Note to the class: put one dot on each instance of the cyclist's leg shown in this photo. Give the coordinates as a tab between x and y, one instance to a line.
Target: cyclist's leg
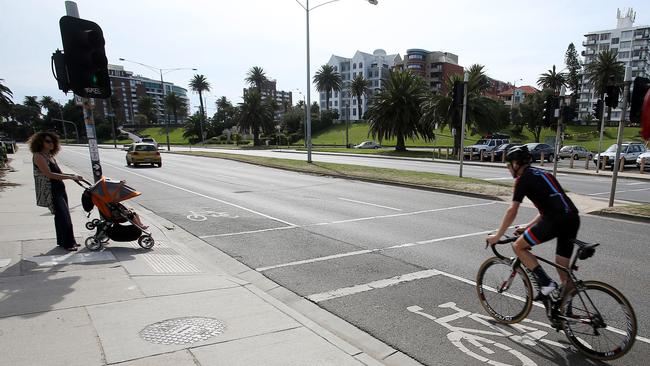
565	241
543	231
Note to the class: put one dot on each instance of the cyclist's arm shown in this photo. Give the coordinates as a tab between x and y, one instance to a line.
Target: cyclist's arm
508	218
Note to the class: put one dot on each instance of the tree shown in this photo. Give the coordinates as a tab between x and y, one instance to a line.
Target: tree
146	108
572	62
32	101
552	80
255	114
5	100
200	84
326	80
192	128
176	105
396	111
483	113
358	88
256	77
53	111
532	112
605	70
225	117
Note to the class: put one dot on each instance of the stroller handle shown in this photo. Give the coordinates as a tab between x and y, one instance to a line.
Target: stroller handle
85	181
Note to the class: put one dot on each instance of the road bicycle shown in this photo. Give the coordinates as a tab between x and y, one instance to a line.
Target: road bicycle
596	318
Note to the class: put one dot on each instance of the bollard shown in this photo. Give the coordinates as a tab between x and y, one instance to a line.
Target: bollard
503	157
621	164
642	166
571	162
492	156
587	163
439	153
603	161
541	159
482	155
447	153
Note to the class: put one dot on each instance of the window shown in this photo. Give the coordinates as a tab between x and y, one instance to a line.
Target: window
625	54
626	35
615	40
625	44
415	57
604	47
354	112
414	66
604	36
360	64
354	65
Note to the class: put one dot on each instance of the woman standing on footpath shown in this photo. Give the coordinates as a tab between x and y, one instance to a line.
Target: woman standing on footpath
50	189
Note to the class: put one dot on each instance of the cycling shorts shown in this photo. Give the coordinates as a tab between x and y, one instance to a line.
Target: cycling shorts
564	228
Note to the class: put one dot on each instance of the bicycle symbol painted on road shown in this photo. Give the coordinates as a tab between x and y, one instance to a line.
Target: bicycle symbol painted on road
203	215
466	338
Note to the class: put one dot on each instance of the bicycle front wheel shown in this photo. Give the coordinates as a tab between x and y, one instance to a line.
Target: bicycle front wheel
505	293
601	322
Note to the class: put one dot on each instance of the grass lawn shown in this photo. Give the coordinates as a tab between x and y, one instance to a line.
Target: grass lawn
425	179
636	210
159	134
586	136
383	152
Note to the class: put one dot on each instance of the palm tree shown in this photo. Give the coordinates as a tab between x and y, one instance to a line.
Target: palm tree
604	71
552	80
396	111
32	101
255	114
175	104
326	80
483	113
256	77
5	100
145	108
200	84
358	88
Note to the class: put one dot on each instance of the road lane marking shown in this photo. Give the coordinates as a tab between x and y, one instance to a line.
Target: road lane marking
402	214
626	191
346	291
249	232
367	251
199	194
635	183
370	204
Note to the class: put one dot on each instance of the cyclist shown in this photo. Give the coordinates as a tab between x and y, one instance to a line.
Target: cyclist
557	218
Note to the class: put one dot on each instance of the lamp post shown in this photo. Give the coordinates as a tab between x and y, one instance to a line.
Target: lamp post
162	86
308	102
461	153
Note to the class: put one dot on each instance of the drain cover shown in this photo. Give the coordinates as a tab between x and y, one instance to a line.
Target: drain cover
182	330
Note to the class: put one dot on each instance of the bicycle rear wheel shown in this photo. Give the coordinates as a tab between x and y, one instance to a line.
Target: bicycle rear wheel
604	325
506	294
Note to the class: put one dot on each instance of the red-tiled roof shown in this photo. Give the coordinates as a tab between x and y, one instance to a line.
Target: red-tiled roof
526	88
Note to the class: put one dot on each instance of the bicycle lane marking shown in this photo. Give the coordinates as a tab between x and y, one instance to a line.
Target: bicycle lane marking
197	193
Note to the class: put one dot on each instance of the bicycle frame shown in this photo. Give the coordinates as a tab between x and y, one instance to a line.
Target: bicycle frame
574	281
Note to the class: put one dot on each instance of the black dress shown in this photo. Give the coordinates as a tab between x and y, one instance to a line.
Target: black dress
62	220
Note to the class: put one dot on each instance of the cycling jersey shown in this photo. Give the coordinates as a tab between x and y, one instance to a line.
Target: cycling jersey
544	191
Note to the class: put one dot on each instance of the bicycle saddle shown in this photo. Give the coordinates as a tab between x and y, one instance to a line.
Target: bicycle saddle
585	250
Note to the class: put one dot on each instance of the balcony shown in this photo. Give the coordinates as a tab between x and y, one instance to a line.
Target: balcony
587	43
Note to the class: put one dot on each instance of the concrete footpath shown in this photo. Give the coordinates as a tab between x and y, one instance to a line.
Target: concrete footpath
182	303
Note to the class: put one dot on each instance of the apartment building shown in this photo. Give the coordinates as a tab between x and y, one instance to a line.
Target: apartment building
630	42
373	67
283	99
434	67
516	95
127	88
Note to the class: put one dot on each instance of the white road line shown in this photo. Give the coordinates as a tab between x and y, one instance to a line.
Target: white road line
370	204
249	232
629	190
346	291
198	194
636	183
402	214
368	251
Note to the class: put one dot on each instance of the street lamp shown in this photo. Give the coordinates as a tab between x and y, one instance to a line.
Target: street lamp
162	86
308	102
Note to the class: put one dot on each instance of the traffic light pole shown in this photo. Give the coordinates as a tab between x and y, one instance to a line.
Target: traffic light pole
558	136
619	140
461	153
72	10
600	140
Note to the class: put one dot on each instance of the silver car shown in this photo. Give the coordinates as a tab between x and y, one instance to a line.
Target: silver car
578	152
646	156
368	145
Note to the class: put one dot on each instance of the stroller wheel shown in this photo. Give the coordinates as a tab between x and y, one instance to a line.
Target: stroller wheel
90	225
93	244
146	241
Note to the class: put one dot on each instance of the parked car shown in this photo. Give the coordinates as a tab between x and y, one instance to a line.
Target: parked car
502	149
578	152
629	150
368	145
140	153
645	155
536	150
483	145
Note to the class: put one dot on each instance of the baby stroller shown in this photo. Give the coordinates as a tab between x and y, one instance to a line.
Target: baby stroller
116	221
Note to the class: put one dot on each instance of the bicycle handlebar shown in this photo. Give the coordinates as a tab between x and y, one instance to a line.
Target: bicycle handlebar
506	240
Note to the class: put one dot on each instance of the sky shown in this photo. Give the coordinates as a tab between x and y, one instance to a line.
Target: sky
515	40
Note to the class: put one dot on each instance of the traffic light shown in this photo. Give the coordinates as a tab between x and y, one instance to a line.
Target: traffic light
598	109
550	105
639	92
458	94
85	58
611	100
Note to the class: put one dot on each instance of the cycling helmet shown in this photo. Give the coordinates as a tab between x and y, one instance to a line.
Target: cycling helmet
520	154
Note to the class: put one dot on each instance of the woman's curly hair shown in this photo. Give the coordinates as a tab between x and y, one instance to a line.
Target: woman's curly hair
37	141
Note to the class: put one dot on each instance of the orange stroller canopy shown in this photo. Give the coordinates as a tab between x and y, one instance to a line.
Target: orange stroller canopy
112	191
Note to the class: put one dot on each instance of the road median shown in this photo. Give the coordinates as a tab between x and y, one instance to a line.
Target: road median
629	212
419	180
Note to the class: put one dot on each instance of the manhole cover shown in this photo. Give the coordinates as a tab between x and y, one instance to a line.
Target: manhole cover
182	330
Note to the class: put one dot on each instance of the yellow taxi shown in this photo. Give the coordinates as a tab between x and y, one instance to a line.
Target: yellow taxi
140	153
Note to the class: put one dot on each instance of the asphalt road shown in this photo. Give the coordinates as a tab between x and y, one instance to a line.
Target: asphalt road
594	186
396	262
